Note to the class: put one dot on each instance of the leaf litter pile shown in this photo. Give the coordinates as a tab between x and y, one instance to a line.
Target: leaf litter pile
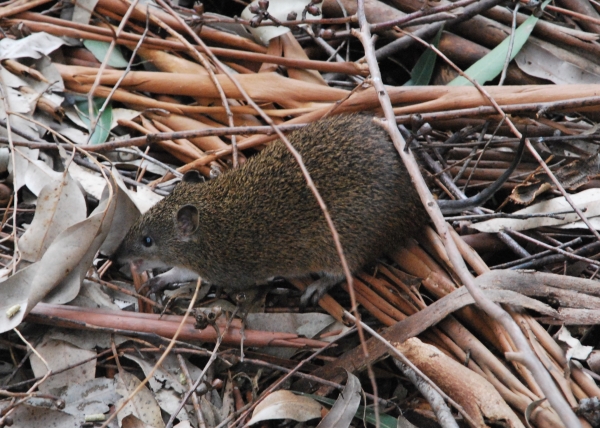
107	103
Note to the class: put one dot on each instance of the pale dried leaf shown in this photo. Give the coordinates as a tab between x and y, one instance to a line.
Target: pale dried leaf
24	126
15	82
57	276
92	233
26	416
545	60
344	409
169	402
588	199
58	355
126	212
118	300
45	66
123	114
404	423
593	361
143	405
575	349
85	339
144	198
60	205
64	128
23	102
39	174
92	182
571	176
228	406
284	404
91	397
18	169
166	376
308	325
595	222
31	90
33	46
82	12
212	413
166	382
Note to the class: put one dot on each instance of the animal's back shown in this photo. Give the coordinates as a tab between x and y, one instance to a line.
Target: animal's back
262	220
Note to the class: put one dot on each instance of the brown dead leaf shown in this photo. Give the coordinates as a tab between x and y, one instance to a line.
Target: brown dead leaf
571	176
478	397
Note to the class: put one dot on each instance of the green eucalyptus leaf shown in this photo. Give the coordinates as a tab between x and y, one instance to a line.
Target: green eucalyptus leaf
423	69
100	49
491	65
103	124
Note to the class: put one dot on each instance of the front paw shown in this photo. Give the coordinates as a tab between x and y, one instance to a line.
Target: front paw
157	284
173	276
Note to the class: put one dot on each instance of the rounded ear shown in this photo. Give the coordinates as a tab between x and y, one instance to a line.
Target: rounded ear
187	220
192	176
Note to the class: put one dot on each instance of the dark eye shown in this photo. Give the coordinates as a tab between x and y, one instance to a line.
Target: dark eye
147	241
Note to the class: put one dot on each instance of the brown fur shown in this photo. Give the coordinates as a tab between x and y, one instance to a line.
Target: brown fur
262	221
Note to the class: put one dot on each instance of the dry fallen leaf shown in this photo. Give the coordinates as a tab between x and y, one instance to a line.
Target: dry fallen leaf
58	274
588	200
58	355
60	205
284	404
143	405
344	409
478	397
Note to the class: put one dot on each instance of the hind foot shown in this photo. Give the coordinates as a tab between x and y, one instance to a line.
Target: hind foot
319	288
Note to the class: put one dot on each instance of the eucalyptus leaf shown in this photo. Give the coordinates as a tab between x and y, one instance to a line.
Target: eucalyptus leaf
103	124
100	49
491	65
423	69
344	409
366	414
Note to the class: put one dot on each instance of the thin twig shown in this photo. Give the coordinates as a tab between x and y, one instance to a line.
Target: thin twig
550	247
536	255
510	45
